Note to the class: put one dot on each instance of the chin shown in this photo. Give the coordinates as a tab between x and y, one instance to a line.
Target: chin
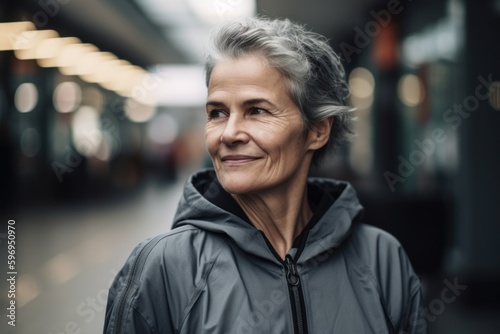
237	188
237	184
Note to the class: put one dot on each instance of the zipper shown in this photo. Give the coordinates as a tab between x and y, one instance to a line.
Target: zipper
296	296
132	281
294	286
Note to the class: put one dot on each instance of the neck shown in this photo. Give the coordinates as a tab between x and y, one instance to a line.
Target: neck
280	214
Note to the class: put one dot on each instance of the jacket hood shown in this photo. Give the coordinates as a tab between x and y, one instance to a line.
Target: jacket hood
196	209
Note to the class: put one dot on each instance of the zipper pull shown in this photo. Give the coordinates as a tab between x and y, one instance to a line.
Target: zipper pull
291	271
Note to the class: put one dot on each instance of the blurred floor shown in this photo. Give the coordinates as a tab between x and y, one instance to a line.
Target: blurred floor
68	257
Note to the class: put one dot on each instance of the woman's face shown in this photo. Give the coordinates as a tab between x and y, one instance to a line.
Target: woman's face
254	133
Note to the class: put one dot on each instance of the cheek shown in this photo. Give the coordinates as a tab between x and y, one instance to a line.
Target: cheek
211	139
290	138
271	134
294	149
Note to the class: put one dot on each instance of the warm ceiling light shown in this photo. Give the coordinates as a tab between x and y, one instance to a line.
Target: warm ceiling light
115	74
125	79
9	33
102	69
71	55
28	41
136	87
48	50
87	64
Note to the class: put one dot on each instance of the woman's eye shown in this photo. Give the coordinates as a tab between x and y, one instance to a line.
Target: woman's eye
256	111
215	114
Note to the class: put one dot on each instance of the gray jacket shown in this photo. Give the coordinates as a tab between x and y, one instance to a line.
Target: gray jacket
216	273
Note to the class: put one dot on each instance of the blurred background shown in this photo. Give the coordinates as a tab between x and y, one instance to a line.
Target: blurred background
102	119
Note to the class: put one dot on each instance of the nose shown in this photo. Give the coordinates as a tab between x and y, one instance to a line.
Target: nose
234	131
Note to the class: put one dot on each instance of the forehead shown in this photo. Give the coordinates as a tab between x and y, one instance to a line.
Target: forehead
246	75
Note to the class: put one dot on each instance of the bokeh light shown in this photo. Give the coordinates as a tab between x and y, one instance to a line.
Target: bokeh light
67	97
139	112
163	129
87	135
26	97
411	90
362	86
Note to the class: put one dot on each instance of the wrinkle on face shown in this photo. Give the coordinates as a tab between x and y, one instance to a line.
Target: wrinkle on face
277	136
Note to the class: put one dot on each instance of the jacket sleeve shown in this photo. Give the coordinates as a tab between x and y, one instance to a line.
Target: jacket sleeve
136	300
414	321
397	284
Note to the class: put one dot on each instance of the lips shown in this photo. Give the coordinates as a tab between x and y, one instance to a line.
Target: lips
238	159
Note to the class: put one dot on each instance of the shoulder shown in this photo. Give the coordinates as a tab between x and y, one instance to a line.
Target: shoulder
382	253
176	263
379	255
185	248
173	257
162	276
374	241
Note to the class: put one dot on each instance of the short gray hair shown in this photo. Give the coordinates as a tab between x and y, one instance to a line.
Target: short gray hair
315	75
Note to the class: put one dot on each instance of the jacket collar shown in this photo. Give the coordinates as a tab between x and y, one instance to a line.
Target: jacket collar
198	208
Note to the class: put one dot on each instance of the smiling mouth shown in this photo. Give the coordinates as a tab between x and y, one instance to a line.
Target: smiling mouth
237	159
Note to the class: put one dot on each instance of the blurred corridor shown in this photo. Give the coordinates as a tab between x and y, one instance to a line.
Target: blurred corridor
102	119
68	257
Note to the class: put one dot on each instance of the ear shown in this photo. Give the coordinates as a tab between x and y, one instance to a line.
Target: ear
319	135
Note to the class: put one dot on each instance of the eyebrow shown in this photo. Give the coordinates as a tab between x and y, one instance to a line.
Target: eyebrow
245	103
215	104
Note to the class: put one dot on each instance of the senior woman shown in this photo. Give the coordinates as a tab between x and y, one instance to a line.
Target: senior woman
256	246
